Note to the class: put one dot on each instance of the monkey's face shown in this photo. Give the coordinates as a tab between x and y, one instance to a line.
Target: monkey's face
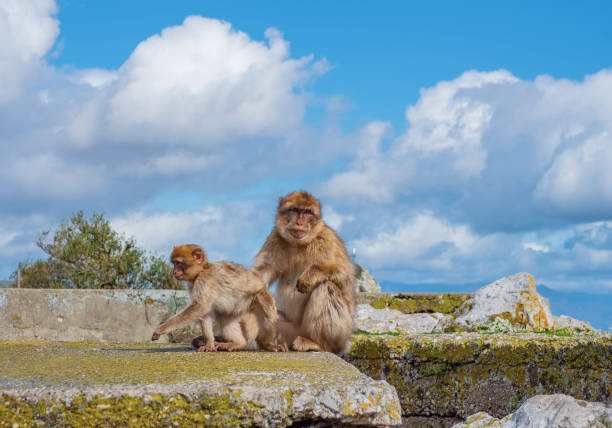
188	261
299	221
298	214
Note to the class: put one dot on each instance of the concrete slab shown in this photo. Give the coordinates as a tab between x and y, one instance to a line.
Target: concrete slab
79	384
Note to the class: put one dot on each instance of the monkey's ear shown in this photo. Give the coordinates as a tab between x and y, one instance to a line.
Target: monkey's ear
198	254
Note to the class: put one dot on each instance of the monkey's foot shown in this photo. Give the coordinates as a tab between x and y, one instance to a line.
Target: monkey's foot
227	346
206	348
281	347
199	341
302	344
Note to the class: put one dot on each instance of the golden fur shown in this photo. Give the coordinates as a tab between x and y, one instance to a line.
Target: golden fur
228	293
315	289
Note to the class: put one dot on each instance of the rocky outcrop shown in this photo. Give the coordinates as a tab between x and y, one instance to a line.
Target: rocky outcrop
548	411
513	298
78	384
412	303
448	377
364	281
368	319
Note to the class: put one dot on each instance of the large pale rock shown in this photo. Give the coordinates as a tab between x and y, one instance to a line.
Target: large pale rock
548	411
564	321
513	298
373	320
79	384
364	281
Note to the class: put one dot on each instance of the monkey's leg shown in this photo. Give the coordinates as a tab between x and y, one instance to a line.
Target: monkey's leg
209	336
232	332
264	308
327	320
190	313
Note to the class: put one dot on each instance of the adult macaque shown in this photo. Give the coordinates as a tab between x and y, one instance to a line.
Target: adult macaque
229	293
316	279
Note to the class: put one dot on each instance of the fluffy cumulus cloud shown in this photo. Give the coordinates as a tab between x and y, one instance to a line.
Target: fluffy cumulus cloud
495	152
28	30
199	83
194	105
487	173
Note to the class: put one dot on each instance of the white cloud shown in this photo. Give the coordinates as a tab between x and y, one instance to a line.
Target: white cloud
200	83
219	230
27	30
495	152
423	241
534	246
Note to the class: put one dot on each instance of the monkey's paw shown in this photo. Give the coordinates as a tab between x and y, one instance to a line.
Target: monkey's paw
226	346
303	286
282	347
206	348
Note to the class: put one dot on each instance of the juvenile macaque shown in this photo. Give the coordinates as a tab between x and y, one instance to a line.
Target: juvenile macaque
316	279
232	295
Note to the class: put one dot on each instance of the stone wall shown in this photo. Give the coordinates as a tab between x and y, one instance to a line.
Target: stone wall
447	377
90	315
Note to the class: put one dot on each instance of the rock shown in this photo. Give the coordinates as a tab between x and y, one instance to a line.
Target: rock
410	303
80	384
373	320
513	298
548	411
456	375
564	321
364	281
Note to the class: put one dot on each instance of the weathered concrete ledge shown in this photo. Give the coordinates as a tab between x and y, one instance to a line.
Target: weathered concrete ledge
132	315
91	315
447	377
77	384
410	303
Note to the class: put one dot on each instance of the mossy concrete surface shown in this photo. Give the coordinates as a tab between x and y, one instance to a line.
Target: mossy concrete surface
79	384
451	376
410	303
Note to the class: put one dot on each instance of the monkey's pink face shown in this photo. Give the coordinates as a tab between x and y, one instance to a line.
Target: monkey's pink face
184	271
299	221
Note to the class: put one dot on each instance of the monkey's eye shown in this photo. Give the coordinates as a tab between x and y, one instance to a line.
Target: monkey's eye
308	212
294	210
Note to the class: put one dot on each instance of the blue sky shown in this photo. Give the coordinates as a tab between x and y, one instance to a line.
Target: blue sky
449	142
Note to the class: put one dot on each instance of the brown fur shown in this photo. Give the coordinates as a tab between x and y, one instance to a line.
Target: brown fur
230	294
316	278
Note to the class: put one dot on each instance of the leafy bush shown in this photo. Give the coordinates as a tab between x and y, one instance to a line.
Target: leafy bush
89	254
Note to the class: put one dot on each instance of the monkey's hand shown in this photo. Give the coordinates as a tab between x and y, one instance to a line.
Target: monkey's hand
155	336
306	281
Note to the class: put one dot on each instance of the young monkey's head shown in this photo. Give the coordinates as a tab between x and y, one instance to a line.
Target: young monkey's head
188	261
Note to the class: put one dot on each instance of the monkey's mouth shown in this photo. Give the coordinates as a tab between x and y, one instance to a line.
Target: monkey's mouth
297	233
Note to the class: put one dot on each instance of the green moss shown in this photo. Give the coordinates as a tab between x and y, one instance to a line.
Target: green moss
454	374
87	364
177	410
436	370
384	333
445	303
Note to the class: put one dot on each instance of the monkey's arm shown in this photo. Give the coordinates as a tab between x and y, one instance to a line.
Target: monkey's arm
318	273
192	312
